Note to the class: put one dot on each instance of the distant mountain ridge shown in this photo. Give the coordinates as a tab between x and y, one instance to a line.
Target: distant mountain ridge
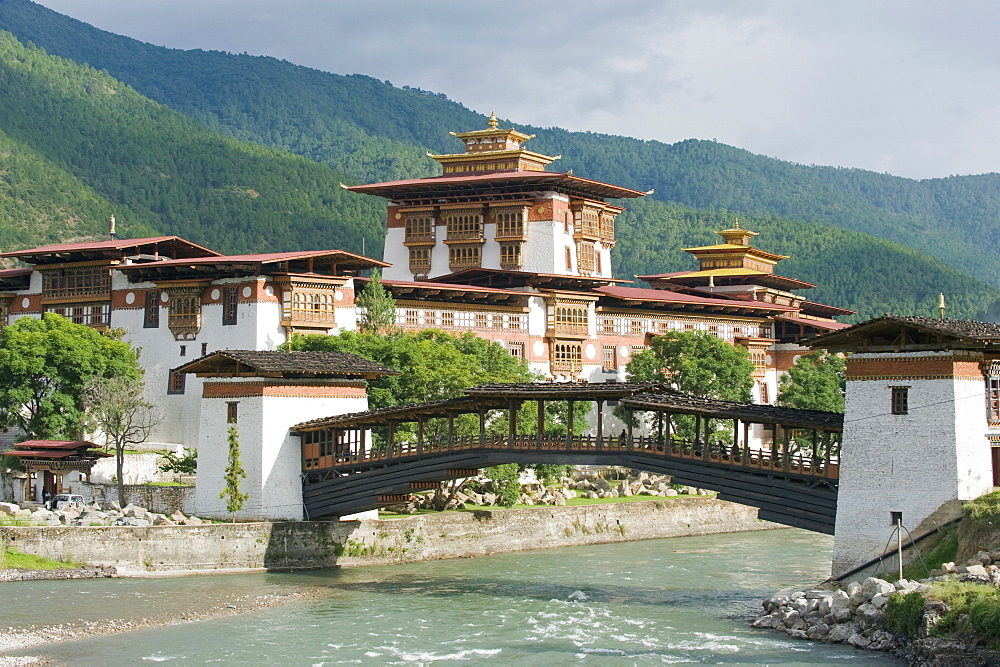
79	145
370	130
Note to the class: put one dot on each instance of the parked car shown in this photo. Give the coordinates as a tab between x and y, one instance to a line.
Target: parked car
64	500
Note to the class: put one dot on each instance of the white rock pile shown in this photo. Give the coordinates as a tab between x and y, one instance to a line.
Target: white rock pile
855	615
111	514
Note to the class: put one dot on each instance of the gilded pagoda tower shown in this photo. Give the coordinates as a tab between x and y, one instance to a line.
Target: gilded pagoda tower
495	206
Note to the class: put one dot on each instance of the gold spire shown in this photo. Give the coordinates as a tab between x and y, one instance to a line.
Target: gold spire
493	120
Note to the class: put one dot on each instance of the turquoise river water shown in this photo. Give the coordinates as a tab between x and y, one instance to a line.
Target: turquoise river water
681	600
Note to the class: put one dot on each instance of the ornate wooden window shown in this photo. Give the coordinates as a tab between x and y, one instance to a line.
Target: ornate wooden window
588	223
608	228
516	350
419	228
608	325
585	257
184	319
609	356
84	281
635	328
570	319
412	316
765	399
232	412
993	394
464	257
230	303
151	310
420	261
447	318
515	321
482	321
511	223
175	383
569	259
510	256
464	225
566	357
91	314
900	400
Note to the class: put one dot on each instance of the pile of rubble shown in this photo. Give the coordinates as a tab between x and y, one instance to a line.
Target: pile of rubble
110	514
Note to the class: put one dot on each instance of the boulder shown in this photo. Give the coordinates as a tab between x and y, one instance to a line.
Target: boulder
134	512
859	640
880	601
818	631
161	520
981	558
177	517
624	490
138	523
873	586
840	632
843	615
488	499
977	571
192	521
10	509
558	499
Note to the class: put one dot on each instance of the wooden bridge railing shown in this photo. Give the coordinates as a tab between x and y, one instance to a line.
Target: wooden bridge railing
797	463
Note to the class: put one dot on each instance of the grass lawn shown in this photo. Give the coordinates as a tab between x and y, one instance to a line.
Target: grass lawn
11	559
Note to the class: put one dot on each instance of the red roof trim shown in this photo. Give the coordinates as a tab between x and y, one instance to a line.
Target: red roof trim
664	296
523	175
263	258
447	287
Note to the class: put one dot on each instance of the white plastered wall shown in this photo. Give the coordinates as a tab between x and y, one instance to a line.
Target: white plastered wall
269	453
911	463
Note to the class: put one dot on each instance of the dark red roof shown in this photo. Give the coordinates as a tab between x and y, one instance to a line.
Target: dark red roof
262	258
54	444
665	296
829	325
390	189
168	245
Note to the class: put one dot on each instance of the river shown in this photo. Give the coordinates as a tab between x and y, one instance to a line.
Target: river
680	600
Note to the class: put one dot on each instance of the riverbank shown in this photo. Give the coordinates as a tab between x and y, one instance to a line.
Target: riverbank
136	551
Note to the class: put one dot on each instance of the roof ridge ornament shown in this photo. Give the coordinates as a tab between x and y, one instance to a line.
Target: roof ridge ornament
493	122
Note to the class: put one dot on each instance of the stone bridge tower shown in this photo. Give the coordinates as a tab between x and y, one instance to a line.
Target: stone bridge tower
922	410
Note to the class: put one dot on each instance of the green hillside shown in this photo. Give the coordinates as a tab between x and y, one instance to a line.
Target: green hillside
86	145
79	145
371	131
850	269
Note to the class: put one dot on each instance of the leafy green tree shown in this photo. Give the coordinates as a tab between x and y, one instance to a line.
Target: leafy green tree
506	482
377	307
117	407
234	473
815	382
180	464
696	362
45	366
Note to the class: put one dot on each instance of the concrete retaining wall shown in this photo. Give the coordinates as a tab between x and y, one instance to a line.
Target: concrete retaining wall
350	543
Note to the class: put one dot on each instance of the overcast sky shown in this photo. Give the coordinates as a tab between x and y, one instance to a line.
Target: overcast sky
907	87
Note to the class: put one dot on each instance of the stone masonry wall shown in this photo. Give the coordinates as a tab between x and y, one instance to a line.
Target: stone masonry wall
350	543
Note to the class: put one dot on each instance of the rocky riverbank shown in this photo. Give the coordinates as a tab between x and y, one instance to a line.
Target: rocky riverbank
95	514
861	614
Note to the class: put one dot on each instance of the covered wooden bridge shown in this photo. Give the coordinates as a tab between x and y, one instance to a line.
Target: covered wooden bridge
791	477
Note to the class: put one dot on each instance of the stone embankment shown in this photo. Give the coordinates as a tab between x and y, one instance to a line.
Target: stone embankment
108	514
317	544
857	614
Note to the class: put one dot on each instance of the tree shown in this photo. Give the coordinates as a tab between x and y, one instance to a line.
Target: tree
696	362
378	308
45	365
506	482
118	409
815	382
234	473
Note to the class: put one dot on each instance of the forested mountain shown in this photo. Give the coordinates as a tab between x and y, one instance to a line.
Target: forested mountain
371	131
78	145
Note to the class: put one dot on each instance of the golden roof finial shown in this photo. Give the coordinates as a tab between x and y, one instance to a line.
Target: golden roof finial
737	225
493	120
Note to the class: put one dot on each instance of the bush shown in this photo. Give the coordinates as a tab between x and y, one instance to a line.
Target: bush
904	614
180	465
984	617
983	507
